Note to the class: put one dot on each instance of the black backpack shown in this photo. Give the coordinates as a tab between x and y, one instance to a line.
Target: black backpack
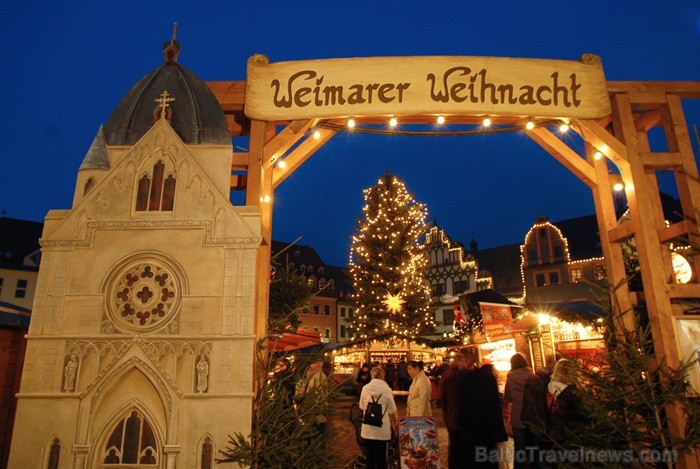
373	414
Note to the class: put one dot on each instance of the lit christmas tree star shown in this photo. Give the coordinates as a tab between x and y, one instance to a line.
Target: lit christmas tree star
394	303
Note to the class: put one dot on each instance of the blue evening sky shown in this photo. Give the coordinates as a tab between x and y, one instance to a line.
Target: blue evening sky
65	66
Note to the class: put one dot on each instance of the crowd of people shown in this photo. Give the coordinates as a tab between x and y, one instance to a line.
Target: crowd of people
542	407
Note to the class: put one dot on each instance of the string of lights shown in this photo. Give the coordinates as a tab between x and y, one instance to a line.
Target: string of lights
484	128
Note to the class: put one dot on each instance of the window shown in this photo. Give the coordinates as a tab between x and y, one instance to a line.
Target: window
317	308
539	280
599	272
310	268
576	275
207	454
21	290
439	289
321	270
311	282
2	280
350	312
89	184
327	310
461	286
448	317
322	283
558	251
342	330
543	233
156	194
54	454
132	442
554	278
532	255
327	333
342	311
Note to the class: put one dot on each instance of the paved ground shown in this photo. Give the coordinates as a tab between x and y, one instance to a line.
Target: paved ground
343	433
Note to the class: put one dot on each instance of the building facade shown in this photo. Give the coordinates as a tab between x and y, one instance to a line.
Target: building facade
140	348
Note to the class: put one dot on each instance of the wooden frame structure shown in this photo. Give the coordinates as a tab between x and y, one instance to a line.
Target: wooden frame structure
622	138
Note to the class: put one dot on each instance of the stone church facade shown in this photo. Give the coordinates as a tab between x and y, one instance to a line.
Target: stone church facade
140	348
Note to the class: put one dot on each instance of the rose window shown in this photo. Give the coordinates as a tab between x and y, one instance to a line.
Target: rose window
144	296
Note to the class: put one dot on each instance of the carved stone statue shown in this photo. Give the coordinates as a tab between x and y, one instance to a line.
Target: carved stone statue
202	374
69	374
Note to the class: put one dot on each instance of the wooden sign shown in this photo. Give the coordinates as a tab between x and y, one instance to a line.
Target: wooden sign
395	86
418	443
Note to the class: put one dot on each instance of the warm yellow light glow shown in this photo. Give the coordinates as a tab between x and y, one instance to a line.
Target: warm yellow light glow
394	303
281	164
530	125
597	155
265	198
317	134
564	128
441	119
486	122
351	123
544	318
618	187
393	122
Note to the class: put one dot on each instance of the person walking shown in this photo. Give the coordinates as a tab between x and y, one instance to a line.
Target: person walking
479	419
418	404
450	397
377	438
523	437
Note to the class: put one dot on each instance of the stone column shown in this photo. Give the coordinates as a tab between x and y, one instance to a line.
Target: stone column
171	452
80	453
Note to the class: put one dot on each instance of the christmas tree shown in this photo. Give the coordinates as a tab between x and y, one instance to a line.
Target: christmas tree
387	264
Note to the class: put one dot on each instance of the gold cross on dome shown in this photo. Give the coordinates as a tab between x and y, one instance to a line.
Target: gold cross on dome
163	102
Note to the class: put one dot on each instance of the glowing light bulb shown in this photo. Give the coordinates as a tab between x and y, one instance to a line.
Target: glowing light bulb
393	122
441	120
486	122
317	134
618	186
564	128
597	155
281	164
351	123
530	125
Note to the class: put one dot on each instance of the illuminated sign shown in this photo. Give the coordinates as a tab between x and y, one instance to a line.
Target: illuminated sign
398	86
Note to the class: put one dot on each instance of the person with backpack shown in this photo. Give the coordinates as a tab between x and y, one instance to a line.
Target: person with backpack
379	418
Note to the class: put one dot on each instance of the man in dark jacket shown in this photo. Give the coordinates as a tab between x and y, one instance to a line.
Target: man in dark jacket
479	418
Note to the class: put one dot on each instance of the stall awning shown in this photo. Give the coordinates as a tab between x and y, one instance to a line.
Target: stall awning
291	341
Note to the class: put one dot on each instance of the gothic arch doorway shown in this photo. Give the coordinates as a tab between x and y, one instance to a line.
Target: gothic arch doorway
615	133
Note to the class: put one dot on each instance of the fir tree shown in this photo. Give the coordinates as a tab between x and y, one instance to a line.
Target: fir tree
388	262
624	401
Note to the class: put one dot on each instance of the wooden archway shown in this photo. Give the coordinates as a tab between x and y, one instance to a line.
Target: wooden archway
622	137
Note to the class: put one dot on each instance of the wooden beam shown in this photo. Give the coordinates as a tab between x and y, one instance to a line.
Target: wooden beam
565	155
677	230
283	141
239	160
621	232
230	94
300	154
687	290
603	140
658	160
684	89
648	120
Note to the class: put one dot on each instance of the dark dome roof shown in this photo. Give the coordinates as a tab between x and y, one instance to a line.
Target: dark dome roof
195	114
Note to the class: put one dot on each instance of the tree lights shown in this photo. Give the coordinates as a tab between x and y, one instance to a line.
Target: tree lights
387	263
